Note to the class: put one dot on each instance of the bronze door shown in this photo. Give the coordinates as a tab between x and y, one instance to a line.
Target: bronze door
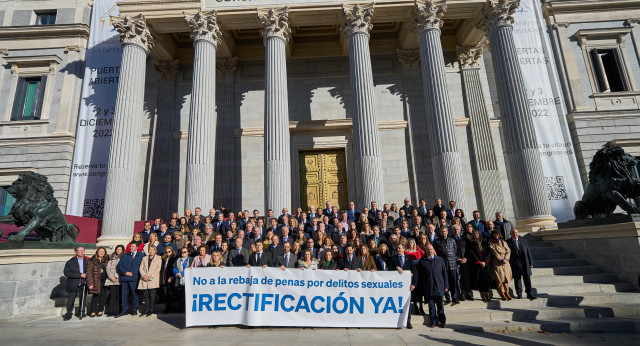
323	177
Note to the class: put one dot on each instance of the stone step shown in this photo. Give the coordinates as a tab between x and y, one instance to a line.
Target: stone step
561	263
539	244
553	256
593	325
547	249
540	313
569	270
579	289
576	279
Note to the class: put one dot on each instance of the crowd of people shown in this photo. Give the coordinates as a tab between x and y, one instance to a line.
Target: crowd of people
448	255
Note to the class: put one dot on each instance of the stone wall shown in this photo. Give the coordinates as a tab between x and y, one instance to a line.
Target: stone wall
27	287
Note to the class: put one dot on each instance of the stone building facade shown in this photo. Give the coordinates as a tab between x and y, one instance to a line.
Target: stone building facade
270	103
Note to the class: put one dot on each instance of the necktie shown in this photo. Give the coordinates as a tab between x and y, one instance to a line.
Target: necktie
402	261
350	261
286	260
517	244
258	257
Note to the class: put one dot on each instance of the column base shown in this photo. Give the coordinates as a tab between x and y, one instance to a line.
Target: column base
112	242
536	223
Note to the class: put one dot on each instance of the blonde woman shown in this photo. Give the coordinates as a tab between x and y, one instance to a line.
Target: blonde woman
307	261
216	260
500	267
153	240
149	280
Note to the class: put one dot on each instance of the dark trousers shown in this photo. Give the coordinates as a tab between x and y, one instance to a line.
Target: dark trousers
167	297
98	301
518	284
180	297
150	300
129	288
435	302
452	276
71	300
114	300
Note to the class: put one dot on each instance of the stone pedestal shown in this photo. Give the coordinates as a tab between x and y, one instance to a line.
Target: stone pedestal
121	205
366	143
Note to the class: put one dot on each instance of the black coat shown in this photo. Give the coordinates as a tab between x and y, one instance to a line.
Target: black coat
432	276
356	263
72	273
447	249
265	259
479	276
521	259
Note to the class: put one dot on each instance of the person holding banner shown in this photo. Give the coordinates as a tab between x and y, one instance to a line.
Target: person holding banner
307	261
328	262
433	283
203	257
402	263
260	258
238	257
216	260
350	261
287	259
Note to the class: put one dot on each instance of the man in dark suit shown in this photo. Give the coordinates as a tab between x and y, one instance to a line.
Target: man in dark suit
438	207
286	259
350	261
505	226
173	226
275	248
196	224
521	262
401	263
164	230
156	224
407	207
432	276
129	270
352	213
239	256
75	270
451	212
146	231
373	212
422	208
310	244
260	258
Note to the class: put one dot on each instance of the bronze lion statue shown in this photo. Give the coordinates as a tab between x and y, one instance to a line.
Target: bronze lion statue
37	210
612	181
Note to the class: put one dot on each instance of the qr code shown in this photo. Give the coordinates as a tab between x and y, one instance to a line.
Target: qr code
93	208
556	188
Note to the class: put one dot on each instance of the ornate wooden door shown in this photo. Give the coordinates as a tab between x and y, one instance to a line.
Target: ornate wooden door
323	177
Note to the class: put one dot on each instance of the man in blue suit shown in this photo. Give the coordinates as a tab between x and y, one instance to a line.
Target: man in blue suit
401	263
129	269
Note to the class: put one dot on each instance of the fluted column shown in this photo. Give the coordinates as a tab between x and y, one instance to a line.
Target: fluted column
447	173
490	198
206	36
277	156
162	139
121	205
418	136
366	143
225	141
521	145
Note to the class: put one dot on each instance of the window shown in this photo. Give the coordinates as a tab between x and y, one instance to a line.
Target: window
607	64
29	97
46	18
6	201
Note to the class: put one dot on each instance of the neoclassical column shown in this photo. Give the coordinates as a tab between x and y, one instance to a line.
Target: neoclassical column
122	202
162	139
445	160
490	199
521	146
206	36
225	141
277	156
415	113
366	143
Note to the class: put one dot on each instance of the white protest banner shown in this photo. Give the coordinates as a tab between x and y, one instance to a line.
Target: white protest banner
559	164
93	136
258	296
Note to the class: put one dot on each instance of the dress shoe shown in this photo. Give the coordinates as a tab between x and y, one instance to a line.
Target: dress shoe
531	297
432	325
443	325
409	326
142	315
447	302
66	317
133	313
149	314
455	302
120	315
519	297
462	299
